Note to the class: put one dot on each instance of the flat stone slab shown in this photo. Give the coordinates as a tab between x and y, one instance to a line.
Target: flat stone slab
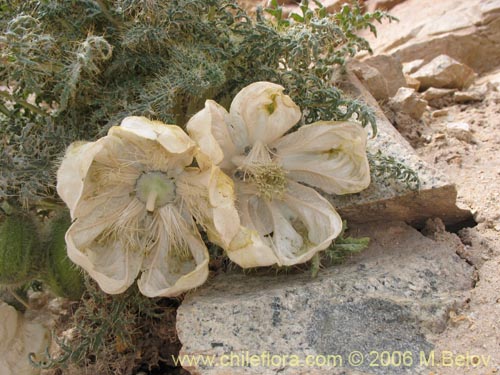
391	200
467	30
390	298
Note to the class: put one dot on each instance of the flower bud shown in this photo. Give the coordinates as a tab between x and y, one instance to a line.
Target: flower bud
20	255
63	277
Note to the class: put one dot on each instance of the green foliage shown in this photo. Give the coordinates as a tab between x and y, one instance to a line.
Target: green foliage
20	255
113	334
340	249
71	69
387	168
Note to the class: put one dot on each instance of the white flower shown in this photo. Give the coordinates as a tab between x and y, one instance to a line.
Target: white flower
19	338
133	197
283	221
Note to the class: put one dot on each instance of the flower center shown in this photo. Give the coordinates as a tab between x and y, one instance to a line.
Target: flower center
155	189
269	178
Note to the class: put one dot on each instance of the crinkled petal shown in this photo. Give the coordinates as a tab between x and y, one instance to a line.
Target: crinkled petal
261	112
10	320
251	245
327	155
19	338
293	228
111	175
322	223
73	170
178	260
111	262
248	250
171	150
209	196
209	128
171	137
287	242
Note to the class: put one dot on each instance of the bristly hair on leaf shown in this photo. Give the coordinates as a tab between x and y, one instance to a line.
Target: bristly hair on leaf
340	249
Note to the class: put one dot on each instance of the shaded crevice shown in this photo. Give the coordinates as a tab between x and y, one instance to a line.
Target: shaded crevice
456	227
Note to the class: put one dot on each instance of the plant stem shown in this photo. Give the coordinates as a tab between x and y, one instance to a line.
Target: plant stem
20	299
105	10
23	103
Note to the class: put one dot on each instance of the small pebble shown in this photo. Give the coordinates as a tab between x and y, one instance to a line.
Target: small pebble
440	113
459	130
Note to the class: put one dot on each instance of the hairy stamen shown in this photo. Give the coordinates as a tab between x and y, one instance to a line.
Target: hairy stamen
269	178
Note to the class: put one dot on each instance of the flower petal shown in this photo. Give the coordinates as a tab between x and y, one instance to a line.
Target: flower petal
111	175
322	222
113	264
303	223
172	149
209	196
209	128
10	320
327	155
261	112
73	170
20	337
251	247
167	271
248	250
171	137
287	242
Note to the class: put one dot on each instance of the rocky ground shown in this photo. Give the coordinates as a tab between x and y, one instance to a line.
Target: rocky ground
435	75
459	135
472	162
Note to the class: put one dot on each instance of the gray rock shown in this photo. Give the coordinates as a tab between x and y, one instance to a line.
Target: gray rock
412	66
433	93
407	101
382	4
392	297
477	94
371	78
440	113
391	70
444	72
466	30
386	199
438	98
468	97
412	82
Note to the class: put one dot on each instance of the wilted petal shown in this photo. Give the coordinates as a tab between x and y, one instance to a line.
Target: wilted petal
111	175
293	228
321	221
171	137
287	242
157	146
10	320
251	246
209	128
20	337
178	259
327	155
248	250
143	127
263	113
96	244
73	170
209	197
